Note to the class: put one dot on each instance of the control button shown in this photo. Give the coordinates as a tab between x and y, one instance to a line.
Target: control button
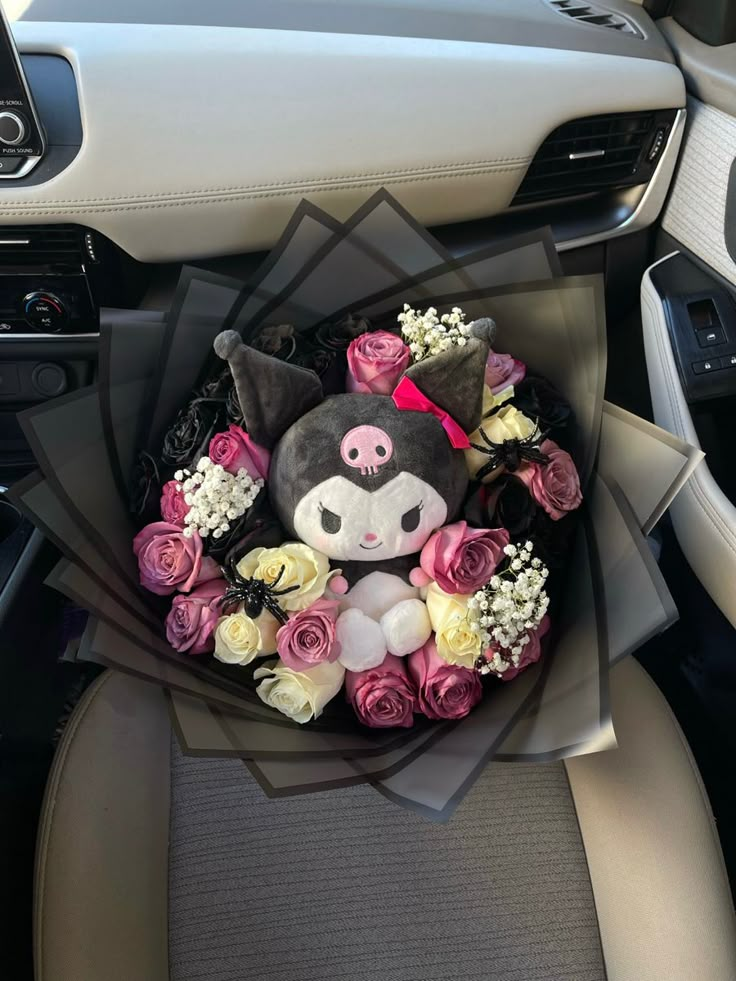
710	336
729	361
44	312
657	144
13	130
9	380
9	165
703	367
49	379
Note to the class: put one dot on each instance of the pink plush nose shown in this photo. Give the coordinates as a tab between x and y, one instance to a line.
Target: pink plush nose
367	448
370	537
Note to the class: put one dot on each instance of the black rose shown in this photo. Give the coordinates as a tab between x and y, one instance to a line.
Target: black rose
278	341
339	336
505	503
145	492
538	399
331	366
552	540
216	386
233	410
188	438
318	359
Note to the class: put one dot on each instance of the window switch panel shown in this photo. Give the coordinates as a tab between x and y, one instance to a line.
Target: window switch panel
703	367
711	336
701	319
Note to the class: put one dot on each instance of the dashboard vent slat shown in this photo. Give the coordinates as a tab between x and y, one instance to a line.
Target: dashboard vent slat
597	153
595	16
41	243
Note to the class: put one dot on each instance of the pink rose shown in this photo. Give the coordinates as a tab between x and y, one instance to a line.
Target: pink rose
554	485
235	450
530	653
308	637
446	691
376	361
502	370
168	560
382	696
462	559
191	621
174	508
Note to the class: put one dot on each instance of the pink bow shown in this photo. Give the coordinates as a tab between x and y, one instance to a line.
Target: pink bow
407	396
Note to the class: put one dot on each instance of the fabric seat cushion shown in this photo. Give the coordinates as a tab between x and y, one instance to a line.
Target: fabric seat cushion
346	885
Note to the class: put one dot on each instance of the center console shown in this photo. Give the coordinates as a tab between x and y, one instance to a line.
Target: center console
53	281
45	286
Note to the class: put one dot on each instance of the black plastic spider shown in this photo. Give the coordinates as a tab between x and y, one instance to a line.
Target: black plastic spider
255	594
511	453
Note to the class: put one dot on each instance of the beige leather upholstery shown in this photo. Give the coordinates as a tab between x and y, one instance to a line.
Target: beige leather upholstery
200	141
660	889
664	905
101	863
703	517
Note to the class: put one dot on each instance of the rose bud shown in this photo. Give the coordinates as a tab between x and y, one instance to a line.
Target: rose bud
383	696
376	361
554	485
446	691
462	559
169	560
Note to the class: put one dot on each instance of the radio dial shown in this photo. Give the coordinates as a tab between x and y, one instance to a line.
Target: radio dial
13	130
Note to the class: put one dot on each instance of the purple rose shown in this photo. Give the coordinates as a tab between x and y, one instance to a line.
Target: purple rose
174	508
169	560
376	361
191	621
382	696
308	637
530	653
235	450
462	559
555	484
446	691
502	370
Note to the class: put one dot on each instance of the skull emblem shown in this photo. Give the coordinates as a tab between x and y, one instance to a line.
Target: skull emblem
366	448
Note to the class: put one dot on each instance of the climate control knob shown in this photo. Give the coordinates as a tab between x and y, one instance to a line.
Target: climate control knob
44	312
13	129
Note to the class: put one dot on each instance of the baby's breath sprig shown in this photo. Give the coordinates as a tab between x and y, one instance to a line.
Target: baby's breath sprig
426	334
511	605
215	497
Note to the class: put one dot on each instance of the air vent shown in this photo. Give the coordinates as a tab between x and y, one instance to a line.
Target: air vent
588	13
597	153
48	245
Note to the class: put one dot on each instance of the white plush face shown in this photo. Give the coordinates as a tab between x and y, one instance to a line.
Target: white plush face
347	522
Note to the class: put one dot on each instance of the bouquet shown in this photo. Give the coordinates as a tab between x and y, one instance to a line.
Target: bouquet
431	427
387	531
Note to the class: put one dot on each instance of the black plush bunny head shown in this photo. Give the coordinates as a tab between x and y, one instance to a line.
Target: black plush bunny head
354	476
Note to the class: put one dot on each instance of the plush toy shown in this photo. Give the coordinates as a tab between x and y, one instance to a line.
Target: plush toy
366	479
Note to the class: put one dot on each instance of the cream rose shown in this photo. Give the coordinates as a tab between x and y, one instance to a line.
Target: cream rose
303	566
507	423
456	642
239	638
491	401
300	695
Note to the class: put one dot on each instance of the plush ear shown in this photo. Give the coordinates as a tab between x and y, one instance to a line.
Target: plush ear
454	380
273	394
